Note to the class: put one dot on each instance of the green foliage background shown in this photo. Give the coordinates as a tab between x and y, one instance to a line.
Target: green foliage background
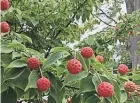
38	28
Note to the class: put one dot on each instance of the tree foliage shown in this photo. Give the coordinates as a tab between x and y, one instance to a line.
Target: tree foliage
38	29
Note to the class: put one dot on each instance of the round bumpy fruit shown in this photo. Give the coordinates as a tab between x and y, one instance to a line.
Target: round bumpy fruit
105	89
4	26
123	69
69	100
33	63
43	84
87	52
130	86
100	58
5	4
74	66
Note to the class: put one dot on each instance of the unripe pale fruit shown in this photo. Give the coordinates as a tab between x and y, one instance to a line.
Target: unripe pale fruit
105	89
130	86
5	4
33	63
69	100
100	58
43	84
4	27
74	66
116	28
123	69
131	33
87	52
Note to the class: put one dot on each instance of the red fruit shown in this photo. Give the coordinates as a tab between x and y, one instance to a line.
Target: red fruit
5	4
43	84
4	27
123	69
74	66
105	89
87	52
69	100
130	86
33	63
100	58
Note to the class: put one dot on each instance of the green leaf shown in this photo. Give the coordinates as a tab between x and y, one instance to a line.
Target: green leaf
34	22
135	76
18	82
96	81
14	73
6	59
6	49
52	59
59	49
15	55
99	67
9	96
17	64
93	99
33	77
117	91
55	91
79	57
86	96
70	78
76	98
30	94
26	38
35	53
4	86
20	92
51	99
123	96
86	85
16	45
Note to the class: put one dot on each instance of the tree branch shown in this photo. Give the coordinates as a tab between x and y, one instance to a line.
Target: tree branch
101	20
104	22
70	87
106	14
70	21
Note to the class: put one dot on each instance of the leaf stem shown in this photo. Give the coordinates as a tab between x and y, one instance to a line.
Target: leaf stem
40	72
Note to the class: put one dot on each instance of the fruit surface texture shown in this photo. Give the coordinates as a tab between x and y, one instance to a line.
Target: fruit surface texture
123	69
33	63
4	4
130	86
4	27
74	66
105	89
43	84
87	52
100	58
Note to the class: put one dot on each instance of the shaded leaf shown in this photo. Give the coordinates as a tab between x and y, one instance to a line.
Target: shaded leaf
76	98
70	78
55	91
9	96
33	77
86	85
52	59
17	64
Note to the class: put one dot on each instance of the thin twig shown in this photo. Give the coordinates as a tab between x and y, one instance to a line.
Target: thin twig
106	14
71	87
